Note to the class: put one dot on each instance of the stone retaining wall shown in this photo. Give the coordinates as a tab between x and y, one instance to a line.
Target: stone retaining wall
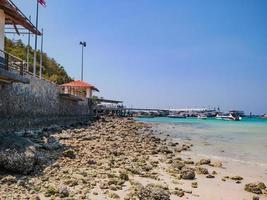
37	104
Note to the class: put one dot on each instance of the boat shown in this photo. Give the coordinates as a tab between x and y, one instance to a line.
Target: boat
145	116
202	117
264	116
176	116
239	113
229	116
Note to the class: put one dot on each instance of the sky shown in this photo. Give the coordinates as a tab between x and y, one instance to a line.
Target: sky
162	53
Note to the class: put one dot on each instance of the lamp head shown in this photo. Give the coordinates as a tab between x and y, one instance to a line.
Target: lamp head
83	44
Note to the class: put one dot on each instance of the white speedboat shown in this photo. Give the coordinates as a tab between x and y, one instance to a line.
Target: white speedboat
176	116
202	117
229	117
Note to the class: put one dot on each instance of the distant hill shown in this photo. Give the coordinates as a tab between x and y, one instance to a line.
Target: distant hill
52	70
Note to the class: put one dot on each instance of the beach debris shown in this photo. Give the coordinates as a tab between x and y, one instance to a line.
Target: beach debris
256	187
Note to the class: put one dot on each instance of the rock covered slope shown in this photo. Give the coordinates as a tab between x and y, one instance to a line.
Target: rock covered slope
112	158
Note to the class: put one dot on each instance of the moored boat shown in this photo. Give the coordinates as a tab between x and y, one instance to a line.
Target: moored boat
202	117
176	116
145	116
230	116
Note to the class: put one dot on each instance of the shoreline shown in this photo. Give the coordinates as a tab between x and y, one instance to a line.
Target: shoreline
119	158
218	149
248	170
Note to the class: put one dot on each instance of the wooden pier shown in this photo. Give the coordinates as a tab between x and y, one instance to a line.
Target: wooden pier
114	107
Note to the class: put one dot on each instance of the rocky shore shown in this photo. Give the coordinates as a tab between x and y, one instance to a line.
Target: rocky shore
111	158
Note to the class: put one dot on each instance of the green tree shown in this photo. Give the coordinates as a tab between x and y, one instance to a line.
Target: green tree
52	70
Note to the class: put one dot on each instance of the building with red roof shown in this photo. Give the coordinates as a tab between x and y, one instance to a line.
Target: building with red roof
79	88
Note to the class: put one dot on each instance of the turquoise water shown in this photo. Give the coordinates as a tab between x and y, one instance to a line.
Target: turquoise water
244	140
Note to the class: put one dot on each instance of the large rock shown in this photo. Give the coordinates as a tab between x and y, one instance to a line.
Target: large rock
201	170
255	187
204	162
17	154
178	165
216	164
153	192
54	145
63	192
164	149
187	173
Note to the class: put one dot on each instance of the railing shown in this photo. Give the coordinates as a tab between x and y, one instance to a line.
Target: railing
10	62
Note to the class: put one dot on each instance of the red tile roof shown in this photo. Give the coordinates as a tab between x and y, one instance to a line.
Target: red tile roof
80	84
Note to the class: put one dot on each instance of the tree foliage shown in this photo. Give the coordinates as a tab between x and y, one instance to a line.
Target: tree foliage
52	70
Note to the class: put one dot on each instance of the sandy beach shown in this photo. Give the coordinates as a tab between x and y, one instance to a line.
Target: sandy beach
119	158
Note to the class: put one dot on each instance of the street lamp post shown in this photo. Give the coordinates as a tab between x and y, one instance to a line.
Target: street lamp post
83	45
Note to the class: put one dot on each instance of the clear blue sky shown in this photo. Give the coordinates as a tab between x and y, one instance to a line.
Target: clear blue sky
163	53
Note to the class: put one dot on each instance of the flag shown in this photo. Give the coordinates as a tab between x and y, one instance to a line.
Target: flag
42	2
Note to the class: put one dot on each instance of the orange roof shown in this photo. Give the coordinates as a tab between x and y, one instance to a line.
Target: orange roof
80	84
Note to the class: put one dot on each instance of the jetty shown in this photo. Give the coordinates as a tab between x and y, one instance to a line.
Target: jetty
115	107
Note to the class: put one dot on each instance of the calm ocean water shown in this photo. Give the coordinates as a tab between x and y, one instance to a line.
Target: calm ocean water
244	140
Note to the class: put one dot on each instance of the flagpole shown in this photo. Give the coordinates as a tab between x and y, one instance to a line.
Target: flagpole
28	49
41	56
35	47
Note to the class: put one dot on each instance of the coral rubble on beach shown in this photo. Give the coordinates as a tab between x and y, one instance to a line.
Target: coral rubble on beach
111	158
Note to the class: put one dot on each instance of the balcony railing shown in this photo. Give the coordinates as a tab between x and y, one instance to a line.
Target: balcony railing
12	63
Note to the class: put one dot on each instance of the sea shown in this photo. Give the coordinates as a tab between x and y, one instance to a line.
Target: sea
244	141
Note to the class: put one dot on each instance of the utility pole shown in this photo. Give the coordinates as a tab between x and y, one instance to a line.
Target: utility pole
35	47
41	55
83	45
28	48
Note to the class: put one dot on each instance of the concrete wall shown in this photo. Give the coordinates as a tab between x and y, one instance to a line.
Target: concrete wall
37	104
